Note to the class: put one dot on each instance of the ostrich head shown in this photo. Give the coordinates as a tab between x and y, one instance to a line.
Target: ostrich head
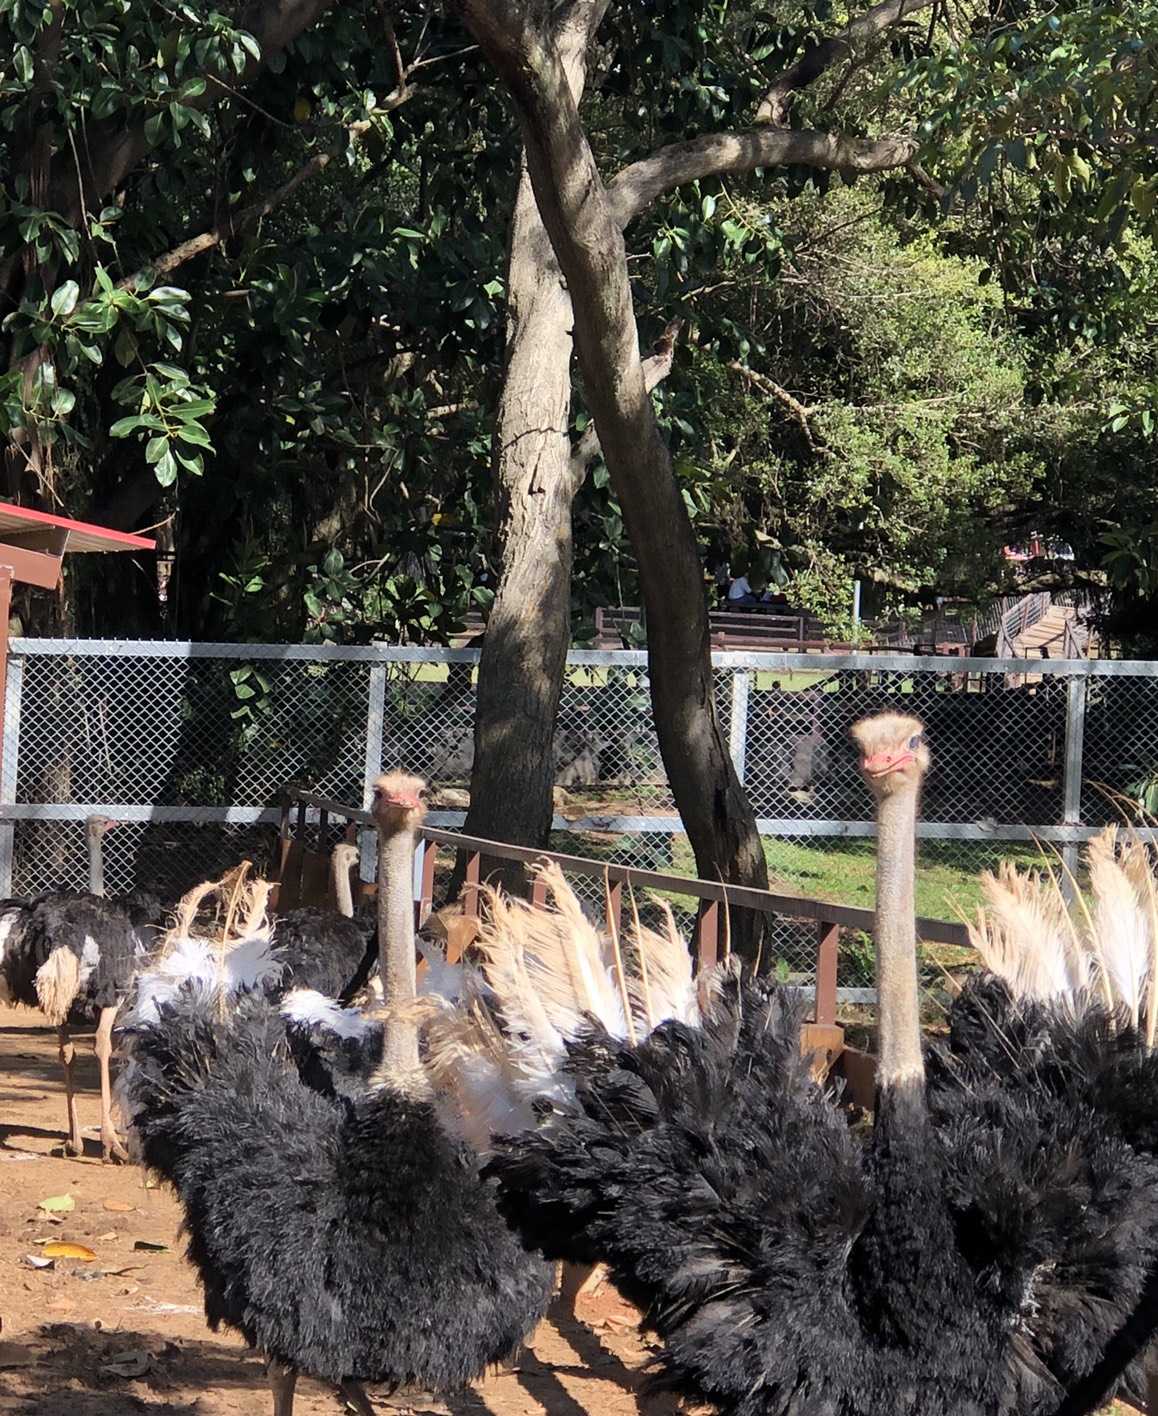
96	826
893	755
398	802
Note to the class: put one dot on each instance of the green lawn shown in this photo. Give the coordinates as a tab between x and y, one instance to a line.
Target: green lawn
947	871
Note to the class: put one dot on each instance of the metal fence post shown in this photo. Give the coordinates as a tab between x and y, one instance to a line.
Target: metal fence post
13	695
1072	786
375	736
738	728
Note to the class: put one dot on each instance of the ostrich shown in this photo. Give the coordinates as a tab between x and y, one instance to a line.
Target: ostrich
977	1260
72	956
377	1253
1067	1012
334	953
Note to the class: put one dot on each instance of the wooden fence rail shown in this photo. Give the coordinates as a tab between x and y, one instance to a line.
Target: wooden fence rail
303	873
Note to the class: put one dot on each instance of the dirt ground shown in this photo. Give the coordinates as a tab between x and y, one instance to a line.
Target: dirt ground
124	1332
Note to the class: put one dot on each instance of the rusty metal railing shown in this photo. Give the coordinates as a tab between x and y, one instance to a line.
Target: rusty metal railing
829	916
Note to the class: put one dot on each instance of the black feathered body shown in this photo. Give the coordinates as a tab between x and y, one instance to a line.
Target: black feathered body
326	950
349	1237
108	936
1060	1058
967	1263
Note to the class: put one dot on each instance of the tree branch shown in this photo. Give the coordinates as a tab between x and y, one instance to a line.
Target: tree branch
714	154
113	151
588	243
249	216
814	61
801	412
656	368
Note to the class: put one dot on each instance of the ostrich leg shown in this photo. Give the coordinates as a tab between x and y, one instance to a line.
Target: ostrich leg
73	1145
282	1380
355	1398
111	1148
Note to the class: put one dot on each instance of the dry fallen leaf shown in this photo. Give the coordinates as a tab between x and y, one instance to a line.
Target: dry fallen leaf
57	1204
106	1238
119	1206
35	1261
150	1248
67	1249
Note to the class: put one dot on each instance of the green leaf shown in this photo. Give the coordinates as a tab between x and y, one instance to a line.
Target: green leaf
63	402
64	298
194	463
166	294
124	426
154	129
156	448
22	62
194	433
166	469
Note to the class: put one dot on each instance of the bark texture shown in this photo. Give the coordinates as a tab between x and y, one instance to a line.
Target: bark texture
529	629
589	246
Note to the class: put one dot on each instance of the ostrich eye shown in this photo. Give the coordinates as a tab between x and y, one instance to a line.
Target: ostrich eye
914	742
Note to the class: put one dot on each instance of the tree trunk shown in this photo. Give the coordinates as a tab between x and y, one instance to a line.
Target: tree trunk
525	650
524	653
591	253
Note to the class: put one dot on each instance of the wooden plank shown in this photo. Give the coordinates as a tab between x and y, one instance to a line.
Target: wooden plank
828	941
31	568
470	886
825	1044
707	936
859	1070
794	906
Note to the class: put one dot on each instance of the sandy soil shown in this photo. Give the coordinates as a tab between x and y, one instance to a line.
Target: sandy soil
125	1333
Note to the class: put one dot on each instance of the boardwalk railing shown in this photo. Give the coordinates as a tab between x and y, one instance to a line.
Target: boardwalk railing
303	810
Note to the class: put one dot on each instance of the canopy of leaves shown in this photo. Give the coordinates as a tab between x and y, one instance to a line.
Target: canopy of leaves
283	327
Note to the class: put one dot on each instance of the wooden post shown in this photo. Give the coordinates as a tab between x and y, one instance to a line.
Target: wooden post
826	961
470	887
707	935
5	616
614	907
538	892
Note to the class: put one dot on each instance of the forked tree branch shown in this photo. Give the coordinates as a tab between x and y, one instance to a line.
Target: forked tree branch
814	61
656	368
716	154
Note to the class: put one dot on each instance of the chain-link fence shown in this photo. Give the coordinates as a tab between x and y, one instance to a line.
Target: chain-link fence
189	746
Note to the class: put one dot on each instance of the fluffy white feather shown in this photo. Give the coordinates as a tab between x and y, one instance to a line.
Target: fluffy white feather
250	963
1121	923
308	1008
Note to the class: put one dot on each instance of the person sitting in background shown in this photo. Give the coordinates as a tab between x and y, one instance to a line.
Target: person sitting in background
748	591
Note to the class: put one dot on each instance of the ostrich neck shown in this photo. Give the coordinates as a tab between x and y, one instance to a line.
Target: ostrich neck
900	1064
96	865
343	892
396	956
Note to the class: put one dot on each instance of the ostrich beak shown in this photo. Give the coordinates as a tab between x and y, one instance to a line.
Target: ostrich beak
880	764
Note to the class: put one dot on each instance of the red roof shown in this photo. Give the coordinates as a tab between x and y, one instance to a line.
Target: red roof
81	536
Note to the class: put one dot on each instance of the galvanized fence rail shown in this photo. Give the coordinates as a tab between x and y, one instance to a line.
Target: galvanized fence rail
190	747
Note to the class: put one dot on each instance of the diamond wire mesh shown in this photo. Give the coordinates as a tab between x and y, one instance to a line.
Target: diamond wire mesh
231	728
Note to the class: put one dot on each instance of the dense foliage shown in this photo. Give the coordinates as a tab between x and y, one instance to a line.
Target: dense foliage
888	381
